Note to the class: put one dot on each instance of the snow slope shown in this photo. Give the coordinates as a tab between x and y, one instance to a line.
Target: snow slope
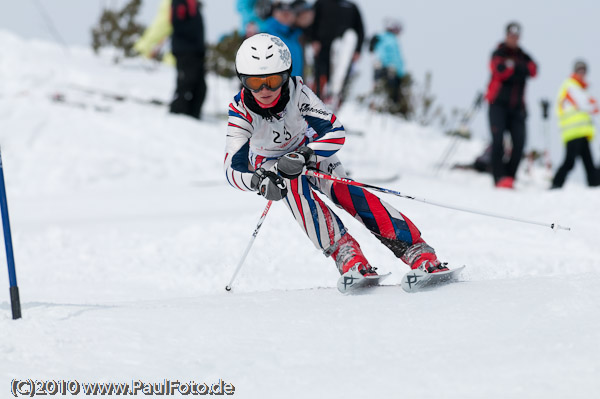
125	235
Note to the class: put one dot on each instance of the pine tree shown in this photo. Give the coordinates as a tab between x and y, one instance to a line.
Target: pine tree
118	29
221	56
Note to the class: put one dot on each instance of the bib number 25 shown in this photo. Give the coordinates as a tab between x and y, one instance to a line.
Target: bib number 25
277	138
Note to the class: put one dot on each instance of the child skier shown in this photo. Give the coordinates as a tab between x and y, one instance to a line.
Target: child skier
277	127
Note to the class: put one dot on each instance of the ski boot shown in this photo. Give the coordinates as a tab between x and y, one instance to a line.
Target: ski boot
348	255
506	182
421	256
353	266
429	263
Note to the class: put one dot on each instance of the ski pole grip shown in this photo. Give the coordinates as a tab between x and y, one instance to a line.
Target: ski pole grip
555	226
545	108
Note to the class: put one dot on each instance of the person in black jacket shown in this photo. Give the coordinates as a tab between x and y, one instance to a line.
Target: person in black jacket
510	67
332	18
187	44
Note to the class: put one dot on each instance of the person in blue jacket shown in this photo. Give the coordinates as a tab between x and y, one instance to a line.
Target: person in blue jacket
389	68
253	14
282	24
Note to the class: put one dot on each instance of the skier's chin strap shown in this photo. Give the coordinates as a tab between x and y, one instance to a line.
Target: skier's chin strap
270	112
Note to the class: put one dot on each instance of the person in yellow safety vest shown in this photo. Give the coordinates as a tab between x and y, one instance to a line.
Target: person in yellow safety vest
155	35
575	107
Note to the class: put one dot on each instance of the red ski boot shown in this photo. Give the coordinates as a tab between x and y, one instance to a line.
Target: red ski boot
353	266
422	256
348	255
429	263
506	182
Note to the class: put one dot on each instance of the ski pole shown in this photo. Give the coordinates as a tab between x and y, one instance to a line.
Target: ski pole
545	115
241	262
462	127
317	174
449	150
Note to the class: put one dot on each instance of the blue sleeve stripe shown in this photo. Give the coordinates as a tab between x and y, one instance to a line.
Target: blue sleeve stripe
313	207
321	126
237	115
238	127
227	177
239	161
325	154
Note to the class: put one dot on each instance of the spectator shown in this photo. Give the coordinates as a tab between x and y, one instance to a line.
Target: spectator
189	49
151	42
282	24
574	108
305	16
253	13
510	67
389	64
332	19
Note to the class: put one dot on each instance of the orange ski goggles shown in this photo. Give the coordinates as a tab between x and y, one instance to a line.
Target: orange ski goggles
271	82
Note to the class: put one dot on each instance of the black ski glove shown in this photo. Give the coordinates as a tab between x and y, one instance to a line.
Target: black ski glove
269	185
292	164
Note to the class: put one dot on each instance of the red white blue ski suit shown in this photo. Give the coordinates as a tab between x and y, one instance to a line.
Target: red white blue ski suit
254	141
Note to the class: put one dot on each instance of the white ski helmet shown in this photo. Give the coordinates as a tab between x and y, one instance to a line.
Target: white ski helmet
263	54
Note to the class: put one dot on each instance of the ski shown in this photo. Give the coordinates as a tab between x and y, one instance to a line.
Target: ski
353	282
418	280
342	50
112	96
61	98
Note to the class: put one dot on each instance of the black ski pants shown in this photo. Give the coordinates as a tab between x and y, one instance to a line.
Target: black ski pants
577	148
191	85
503	118
322	67
391	82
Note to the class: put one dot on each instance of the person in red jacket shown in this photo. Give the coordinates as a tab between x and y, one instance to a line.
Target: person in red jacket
510	67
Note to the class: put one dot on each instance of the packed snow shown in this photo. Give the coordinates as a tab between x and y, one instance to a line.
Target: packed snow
125	234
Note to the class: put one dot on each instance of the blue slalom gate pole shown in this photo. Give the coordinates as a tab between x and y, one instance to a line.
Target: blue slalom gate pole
10	259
